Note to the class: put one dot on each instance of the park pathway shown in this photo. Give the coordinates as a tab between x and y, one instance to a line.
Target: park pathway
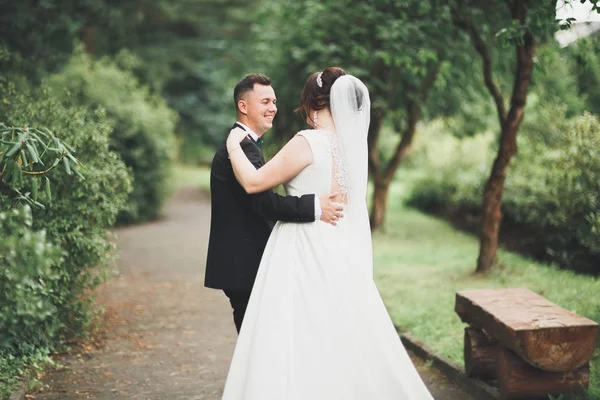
164	336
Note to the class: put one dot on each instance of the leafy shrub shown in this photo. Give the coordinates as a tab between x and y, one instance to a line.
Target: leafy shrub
456	168
585	55
27	279
143	127
554	81
552	188
556	186
32	153
78	212
12	368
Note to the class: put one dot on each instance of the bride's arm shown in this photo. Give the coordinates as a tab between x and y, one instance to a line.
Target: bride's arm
287	163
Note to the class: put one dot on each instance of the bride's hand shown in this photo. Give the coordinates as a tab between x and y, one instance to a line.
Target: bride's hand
236	135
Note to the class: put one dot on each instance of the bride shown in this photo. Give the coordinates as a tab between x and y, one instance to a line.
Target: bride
316	327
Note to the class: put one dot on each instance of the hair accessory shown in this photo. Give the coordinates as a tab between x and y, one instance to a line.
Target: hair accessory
319	80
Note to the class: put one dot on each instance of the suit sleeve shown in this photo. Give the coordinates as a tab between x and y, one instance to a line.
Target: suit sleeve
274	207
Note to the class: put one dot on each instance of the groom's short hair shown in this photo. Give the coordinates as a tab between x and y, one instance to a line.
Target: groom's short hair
247	84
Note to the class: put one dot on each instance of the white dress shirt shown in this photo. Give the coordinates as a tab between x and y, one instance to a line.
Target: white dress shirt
253	135
250	131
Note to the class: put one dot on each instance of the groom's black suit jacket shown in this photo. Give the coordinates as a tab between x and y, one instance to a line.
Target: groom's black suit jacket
241	223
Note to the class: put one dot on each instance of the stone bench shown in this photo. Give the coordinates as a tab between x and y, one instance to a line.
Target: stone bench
531	346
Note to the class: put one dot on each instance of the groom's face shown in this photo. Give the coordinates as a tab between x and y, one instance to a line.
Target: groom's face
260	108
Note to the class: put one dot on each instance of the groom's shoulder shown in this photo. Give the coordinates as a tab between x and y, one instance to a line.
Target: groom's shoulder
222	147
220	154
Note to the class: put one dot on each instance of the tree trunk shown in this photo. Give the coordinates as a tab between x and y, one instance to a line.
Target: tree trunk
384	175
87	37
381	188
377	117
491	217
494	188
380	197
382	178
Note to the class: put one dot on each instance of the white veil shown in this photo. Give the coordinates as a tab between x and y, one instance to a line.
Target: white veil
351	110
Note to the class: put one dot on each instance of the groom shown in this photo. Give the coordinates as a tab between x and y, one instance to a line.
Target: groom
241	223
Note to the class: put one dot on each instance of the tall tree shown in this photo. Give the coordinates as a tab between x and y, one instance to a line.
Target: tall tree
397	48
37	37
520	24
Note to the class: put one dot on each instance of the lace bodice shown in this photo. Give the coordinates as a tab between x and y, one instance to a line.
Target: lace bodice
327	172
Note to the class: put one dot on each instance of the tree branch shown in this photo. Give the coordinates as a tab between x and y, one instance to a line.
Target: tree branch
523	75
414	114
428	82
483	50
413	109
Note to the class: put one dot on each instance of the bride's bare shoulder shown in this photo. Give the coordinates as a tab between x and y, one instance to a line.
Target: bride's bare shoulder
312	132
305	132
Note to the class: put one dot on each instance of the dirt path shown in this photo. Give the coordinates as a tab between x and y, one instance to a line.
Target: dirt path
164	335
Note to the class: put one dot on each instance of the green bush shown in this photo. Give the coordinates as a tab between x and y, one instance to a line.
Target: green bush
27	279
78	212
12	369
143	127
31	153
551	191
556	185
456	168
585	54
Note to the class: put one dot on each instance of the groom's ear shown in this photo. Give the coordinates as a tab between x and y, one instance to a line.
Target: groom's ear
242	106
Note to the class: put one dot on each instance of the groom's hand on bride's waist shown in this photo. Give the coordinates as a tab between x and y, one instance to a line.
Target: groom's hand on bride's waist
331	212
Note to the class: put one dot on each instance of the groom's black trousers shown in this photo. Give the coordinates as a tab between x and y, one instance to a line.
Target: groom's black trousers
239	302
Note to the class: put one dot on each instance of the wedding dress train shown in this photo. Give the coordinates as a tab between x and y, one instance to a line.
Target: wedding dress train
316	327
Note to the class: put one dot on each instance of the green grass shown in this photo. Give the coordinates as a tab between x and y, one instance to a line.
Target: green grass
421	262
191	176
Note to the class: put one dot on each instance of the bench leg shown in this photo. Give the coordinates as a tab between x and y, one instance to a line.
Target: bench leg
519	380
481	354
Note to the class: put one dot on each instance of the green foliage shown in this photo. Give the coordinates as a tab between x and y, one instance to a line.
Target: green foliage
555	80
393	46
466	105
143	127
40	34
37	38
552	188
210	40
78	212
456	169
12	368
33	153
585	56
473	115
556	187
28	278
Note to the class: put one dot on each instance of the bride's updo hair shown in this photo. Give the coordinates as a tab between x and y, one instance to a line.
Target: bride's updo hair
315	97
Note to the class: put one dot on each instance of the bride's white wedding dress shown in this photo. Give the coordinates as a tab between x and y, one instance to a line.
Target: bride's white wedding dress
316	327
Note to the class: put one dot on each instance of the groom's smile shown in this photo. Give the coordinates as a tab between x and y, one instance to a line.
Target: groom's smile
260	107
